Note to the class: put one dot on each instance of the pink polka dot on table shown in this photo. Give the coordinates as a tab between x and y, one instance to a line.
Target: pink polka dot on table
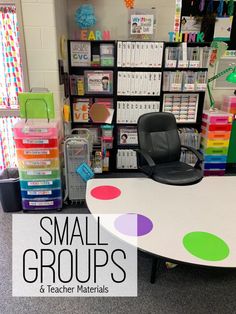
105	192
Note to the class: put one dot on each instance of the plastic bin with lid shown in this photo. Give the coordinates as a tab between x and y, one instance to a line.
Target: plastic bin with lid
40	174
40	184
36	128
40	193
40	204
27	164
35	153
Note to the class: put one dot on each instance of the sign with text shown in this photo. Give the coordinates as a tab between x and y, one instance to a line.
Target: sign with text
142	24
72	255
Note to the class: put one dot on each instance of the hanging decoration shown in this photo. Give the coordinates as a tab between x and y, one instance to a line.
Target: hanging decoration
202	5
129	4
230	10
85	16
178	7
210	6
220	8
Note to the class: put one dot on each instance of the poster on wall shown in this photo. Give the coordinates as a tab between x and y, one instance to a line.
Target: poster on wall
223	28
190	24
142	24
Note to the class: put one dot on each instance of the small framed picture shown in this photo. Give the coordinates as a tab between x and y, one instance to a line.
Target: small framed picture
98	82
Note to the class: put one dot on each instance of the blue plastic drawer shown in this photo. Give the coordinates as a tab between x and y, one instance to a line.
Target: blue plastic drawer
29	194
214	165
40	184
215	158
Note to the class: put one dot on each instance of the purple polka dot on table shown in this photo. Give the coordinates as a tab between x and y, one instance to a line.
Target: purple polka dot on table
133	224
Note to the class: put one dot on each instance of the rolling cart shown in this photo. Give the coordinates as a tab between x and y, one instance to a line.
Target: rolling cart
77	149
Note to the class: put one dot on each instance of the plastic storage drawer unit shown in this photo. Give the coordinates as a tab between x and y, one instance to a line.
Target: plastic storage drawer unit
37	153
40	184
27	164
36	128
36	143
28	194
40	174
38	204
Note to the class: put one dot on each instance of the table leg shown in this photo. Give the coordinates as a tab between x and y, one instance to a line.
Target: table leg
156	267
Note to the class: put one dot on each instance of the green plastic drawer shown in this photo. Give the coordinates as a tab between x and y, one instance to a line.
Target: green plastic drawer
40	174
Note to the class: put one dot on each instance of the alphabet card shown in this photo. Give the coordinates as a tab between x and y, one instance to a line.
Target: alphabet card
80	53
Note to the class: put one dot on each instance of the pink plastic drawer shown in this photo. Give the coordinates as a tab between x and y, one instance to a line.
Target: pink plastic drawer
36	128
36	142
218	117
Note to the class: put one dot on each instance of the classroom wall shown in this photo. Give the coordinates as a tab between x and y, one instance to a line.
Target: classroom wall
113	15
42	48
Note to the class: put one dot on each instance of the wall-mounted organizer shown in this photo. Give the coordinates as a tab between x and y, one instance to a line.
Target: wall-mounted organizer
93	93
216	129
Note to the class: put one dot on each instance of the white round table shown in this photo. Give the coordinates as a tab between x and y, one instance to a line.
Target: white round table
193	224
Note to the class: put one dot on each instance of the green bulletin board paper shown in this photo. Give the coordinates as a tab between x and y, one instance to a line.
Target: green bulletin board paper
36	105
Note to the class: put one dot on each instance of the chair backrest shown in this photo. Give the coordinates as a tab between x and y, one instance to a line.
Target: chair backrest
158	136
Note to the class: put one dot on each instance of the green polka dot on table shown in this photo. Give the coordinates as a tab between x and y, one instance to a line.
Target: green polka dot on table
206	246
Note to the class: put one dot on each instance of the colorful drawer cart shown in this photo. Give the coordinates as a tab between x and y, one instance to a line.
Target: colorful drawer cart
216	129
229	105
38	152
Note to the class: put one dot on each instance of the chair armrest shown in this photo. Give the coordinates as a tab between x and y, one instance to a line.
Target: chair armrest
196	153
148	160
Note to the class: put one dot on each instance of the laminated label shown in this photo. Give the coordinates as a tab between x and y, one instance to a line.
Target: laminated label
26	141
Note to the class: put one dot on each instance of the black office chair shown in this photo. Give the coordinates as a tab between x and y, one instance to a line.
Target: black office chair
160	149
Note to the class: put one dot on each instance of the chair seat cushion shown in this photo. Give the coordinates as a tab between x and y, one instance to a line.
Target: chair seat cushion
176	173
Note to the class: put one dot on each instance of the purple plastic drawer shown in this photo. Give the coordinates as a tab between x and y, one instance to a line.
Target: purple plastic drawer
214	173
38	204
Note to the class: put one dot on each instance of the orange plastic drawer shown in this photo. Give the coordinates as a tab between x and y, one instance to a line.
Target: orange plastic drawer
215	135
37	153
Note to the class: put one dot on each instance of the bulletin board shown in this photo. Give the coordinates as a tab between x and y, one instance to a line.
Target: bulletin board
207	18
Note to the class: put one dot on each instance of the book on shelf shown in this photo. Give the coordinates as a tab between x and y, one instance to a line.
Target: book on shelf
126	159
127	136
80	52
139	54
130	111
81	110
98	82
77	85
139	83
